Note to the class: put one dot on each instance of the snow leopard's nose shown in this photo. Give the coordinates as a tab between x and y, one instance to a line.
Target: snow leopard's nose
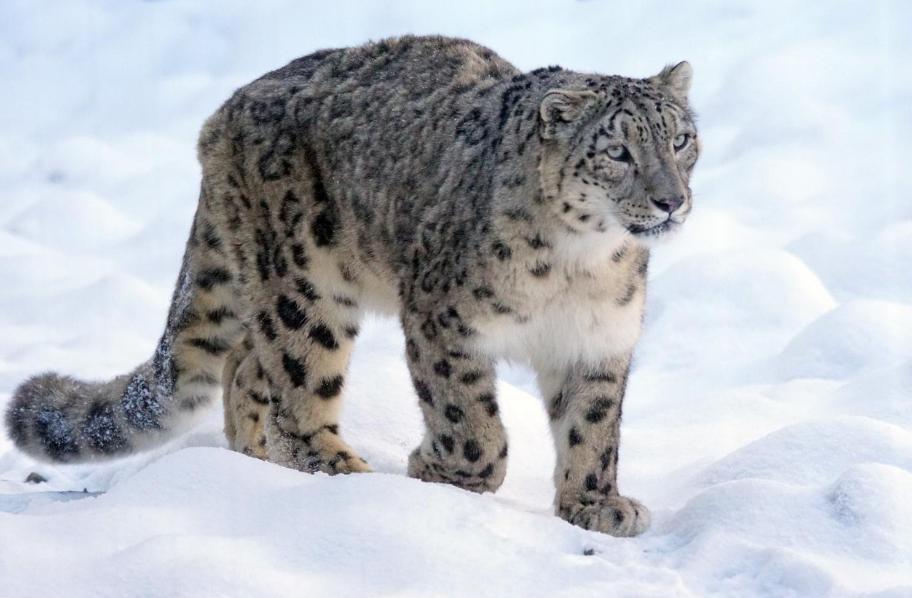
669	204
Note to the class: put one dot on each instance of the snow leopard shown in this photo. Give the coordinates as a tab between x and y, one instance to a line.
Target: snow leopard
496	213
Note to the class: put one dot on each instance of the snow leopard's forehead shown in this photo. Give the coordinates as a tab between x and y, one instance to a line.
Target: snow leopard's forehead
641	100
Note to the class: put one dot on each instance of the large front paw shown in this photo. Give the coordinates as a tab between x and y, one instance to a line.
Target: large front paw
615	515
478	476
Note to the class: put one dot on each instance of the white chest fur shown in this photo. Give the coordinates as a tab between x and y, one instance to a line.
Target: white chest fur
587	310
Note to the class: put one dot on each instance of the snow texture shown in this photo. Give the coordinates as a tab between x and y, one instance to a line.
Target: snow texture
768	422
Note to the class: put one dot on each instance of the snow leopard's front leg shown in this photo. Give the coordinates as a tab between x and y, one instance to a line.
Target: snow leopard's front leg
584	407
465	443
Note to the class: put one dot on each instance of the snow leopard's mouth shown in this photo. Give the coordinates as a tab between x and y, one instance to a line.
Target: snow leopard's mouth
654	231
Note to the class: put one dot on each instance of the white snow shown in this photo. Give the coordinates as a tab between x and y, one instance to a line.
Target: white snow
768	422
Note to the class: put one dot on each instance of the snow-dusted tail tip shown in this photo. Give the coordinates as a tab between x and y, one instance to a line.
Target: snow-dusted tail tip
58	418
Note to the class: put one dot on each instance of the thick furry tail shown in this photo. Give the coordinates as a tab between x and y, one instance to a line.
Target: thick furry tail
57	418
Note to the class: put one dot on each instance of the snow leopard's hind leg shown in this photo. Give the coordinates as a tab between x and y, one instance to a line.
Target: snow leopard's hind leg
465	443
246	399
305	343
304	303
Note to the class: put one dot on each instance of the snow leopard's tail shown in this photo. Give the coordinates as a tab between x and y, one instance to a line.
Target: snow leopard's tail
58	418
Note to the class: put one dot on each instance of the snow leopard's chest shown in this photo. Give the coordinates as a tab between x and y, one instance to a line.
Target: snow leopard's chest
570	316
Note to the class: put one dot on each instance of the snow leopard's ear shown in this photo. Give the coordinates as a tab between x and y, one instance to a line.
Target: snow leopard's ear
561	109
675	80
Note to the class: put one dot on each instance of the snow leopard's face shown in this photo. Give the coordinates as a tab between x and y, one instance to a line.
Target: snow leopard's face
626	164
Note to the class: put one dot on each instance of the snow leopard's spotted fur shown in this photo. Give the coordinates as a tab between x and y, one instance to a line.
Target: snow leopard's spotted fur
497	213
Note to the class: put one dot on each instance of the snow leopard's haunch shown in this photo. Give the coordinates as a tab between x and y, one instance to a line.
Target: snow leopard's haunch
496	213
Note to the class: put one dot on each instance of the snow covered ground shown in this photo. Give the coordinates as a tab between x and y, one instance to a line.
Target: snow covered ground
769	419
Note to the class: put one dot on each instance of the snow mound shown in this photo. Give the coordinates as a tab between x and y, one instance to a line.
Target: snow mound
800	540
854	337
178	517
81	159
815	452
743	291
883	393
854	268
114	297
73	221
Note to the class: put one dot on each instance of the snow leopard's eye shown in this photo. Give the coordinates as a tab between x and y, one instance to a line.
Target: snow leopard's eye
681	141
619	153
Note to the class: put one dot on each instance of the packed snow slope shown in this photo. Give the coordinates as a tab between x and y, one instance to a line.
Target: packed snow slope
768	422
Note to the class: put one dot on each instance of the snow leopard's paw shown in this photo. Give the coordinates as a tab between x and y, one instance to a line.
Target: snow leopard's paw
615	515
321	451
476	477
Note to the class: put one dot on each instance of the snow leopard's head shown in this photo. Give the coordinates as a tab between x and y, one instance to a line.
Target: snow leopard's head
618	153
